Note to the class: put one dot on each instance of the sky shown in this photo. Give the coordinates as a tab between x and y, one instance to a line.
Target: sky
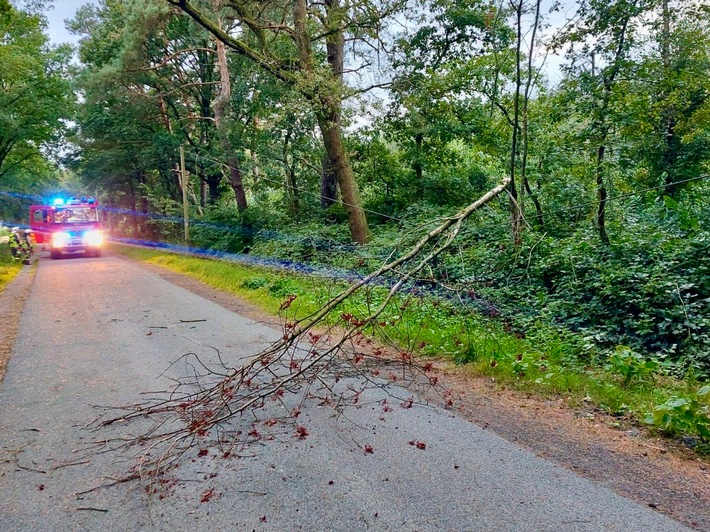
66	9
62	10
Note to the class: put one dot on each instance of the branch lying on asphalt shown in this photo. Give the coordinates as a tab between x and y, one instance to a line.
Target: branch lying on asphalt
302	363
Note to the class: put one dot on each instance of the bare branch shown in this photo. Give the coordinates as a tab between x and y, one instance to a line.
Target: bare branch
169	58
294	364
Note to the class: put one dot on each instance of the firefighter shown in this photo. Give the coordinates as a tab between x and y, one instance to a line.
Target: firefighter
15	244
28	243
18	247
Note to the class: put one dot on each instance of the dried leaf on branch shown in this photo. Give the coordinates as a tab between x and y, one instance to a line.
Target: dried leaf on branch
318	360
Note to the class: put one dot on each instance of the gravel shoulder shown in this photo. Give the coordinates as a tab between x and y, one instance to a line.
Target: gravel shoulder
651	471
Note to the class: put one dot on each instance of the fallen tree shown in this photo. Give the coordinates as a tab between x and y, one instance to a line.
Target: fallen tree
322	356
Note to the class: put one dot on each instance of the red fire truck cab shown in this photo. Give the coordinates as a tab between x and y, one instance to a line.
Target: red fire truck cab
68	226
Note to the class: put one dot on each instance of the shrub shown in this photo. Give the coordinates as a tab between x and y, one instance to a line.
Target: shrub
683	416
630	365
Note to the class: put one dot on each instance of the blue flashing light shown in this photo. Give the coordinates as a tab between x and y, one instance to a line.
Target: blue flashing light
58	201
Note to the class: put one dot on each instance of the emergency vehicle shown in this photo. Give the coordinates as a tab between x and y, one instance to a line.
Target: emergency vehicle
68	226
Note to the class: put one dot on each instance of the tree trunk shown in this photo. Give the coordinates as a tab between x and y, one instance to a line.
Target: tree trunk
418	167
221	108
539	216
328	184
601	196
197	171
134	210
666	35
291	182
235	180
213	182
332	138
670	150
335	55
600	125
328	103
255	175
516	208
146	229
525	189
292	188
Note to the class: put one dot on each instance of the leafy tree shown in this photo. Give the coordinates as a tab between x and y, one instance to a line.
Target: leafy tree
467	56
600	46
300	44
35	98
668	102
116	131
437	92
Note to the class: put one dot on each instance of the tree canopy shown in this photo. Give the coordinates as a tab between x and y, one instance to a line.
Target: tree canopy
36	101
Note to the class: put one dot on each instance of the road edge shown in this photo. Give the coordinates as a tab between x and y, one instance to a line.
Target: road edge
12	302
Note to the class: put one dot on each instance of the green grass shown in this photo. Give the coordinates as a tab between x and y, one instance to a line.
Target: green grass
547	362
8	268
266	289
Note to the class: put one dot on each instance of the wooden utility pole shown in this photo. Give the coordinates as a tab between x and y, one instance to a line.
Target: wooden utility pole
185	183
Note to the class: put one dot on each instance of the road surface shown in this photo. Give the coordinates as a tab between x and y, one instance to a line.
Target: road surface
102	331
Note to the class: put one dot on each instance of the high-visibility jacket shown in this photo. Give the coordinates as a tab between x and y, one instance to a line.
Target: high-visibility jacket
14	241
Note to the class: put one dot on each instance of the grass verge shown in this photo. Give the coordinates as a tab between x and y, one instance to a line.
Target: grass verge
8	268
544	361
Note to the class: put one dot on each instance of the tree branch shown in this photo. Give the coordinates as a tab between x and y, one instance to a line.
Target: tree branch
285	366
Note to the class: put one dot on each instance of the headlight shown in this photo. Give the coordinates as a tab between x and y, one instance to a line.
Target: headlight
93	238
59	240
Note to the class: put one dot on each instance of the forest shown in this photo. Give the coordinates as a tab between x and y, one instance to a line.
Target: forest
334	133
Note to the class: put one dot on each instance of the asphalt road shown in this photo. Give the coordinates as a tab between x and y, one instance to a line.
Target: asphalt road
102	331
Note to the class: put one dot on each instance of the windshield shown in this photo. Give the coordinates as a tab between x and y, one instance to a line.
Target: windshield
75	215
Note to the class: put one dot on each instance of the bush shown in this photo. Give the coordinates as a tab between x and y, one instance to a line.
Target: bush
683	416
630	365
223	228
649	290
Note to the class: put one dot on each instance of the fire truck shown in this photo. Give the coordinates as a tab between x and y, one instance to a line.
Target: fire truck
67	226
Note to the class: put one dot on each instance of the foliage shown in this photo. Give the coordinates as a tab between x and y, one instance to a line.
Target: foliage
423	325
224	229
649	291
630	365
8	268
35	103
684	416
